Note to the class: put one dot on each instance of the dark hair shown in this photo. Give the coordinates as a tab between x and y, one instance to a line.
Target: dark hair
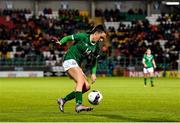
98	28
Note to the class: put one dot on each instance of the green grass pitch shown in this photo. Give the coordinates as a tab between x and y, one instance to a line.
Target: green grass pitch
124	99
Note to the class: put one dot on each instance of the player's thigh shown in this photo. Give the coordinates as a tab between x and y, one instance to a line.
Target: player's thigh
145	71
76	74
151	71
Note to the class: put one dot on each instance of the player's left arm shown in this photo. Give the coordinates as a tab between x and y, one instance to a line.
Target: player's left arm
74	37
95	62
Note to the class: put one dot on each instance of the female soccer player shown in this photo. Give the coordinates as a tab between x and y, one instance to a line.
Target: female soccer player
85	45
149	65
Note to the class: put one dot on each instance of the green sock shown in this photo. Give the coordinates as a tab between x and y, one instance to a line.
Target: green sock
70	96
145	81
78	95
152	79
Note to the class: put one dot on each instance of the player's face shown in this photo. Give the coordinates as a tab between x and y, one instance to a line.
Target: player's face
99	36
148	52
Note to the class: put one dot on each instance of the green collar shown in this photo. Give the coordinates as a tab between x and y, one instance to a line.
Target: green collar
92	42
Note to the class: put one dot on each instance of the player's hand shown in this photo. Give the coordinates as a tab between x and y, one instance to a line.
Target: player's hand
155	67
55	39
145	66
93	77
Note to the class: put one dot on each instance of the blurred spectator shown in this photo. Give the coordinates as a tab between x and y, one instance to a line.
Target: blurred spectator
114	15
30	38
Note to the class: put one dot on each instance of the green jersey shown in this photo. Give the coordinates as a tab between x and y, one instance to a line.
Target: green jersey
82	48
148	59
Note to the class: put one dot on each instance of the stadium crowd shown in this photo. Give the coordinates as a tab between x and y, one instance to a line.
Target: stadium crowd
132	41
29	38
115	15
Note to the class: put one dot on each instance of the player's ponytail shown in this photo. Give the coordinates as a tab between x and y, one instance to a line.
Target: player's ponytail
99	28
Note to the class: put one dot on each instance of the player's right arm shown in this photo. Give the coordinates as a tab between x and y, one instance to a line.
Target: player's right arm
143	62
65	39
74	37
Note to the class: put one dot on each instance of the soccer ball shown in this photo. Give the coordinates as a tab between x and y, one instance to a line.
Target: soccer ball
95	97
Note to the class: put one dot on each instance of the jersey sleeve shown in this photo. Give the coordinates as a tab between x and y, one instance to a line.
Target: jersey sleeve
95	59
75	37
143	59
94	66
78	36
66	39
152	57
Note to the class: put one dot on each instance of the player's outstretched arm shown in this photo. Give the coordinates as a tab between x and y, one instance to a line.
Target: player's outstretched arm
55	39
63	40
